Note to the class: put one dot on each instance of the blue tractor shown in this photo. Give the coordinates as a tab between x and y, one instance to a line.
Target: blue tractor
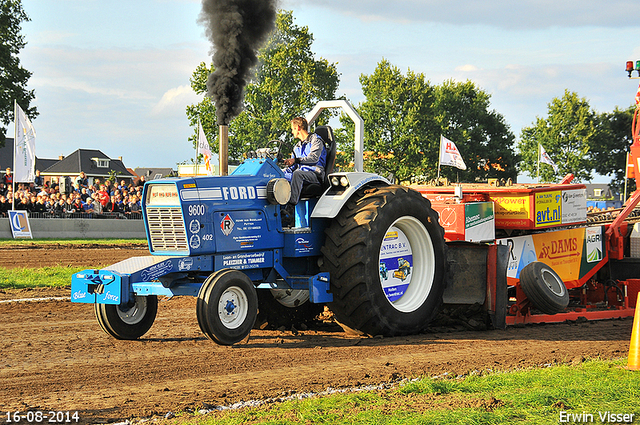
220	239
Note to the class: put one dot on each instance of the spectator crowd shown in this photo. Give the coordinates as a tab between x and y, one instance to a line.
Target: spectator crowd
78	198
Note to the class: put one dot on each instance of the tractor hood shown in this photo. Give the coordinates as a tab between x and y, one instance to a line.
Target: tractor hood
205	215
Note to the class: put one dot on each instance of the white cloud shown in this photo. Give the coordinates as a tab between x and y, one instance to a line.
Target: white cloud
525	14
51	37
522	93
71	84
125	102
466	68
175	98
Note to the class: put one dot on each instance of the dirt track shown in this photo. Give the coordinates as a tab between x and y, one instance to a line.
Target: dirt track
40	255
55	357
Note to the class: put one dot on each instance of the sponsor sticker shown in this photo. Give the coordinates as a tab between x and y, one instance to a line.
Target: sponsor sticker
194	226
396	264
227	225
194	241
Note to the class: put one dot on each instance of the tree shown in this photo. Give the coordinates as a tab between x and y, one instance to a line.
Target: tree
483	138
13	77
287	83
405	115
609	152
397	126
567	135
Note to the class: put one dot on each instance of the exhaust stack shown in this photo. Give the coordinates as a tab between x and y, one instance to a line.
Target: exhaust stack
223	152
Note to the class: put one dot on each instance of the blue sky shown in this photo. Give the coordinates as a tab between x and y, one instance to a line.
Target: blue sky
115	75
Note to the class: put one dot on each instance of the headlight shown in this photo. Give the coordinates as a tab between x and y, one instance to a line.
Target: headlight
278	191
339	182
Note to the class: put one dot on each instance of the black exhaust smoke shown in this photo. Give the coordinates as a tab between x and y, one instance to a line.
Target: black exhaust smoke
237	29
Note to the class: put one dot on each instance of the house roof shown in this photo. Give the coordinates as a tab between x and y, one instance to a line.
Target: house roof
152	173
606	190
6	157
6	154
43	163
85	160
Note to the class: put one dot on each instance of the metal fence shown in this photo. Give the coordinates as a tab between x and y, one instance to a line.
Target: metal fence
108	215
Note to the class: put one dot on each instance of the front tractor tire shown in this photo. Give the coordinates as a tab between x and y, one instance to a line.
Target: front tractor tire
227	306
129	321
386	255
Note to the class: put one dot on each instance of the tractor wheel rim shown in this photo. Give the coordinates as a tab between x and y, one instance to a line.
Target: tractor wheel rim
552	283
134	314
407	264
233	307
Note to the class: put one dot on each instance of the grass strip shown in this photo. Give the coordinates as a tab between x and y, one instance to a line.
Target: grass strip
21	278
586	393
106	241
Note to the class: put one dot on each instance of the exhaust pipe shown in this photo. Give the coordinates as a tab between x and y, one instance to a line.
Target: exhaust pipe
223	152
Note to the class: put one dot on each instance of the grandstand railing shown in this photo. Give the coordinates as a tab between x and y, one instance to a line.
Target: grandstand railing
109	215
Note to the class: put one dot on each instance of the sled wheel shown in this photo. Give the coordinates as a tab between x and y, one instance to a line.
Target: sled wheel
227	306
544	288
283	307
129	321
385	253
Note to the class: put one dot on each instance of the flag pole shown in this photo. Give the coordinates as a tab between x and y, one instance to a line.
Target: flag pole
539	154
439	157
195	169
15	140
626	177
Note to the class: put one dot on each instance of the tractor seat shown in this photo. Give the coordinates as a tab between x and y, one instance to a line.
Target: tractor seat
313	190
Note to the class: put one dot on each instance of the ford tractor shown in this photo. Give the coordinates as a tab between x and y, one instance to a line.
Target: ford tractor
373	251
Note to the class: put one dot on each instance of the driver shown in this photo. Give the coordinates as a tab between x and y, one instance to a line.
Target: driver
307	163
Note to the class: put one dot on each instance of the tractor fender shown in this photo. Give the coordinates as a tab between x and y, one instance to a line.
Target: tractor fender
332	201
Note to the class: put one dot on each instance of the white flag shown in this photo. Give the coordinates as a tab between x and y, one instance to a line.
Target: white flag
204	149
449	154
546	159
24	155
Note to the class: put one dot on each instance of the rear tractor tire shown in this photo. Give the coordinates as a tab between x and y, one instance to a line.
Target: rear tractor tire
386	255
129	321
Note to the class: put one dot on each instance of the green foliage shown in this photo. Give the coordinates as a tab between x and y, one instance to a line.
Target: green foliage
113	176
205	110
568	135
404	117
13	77
397	129
609	152
483	138
287	83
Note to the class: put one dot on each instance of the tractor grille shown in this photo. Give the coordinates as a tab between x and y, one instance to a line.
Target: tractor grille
166	229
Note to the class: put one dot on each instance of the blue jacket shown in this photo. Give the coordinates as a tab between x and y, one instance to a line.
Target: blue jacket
310	155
